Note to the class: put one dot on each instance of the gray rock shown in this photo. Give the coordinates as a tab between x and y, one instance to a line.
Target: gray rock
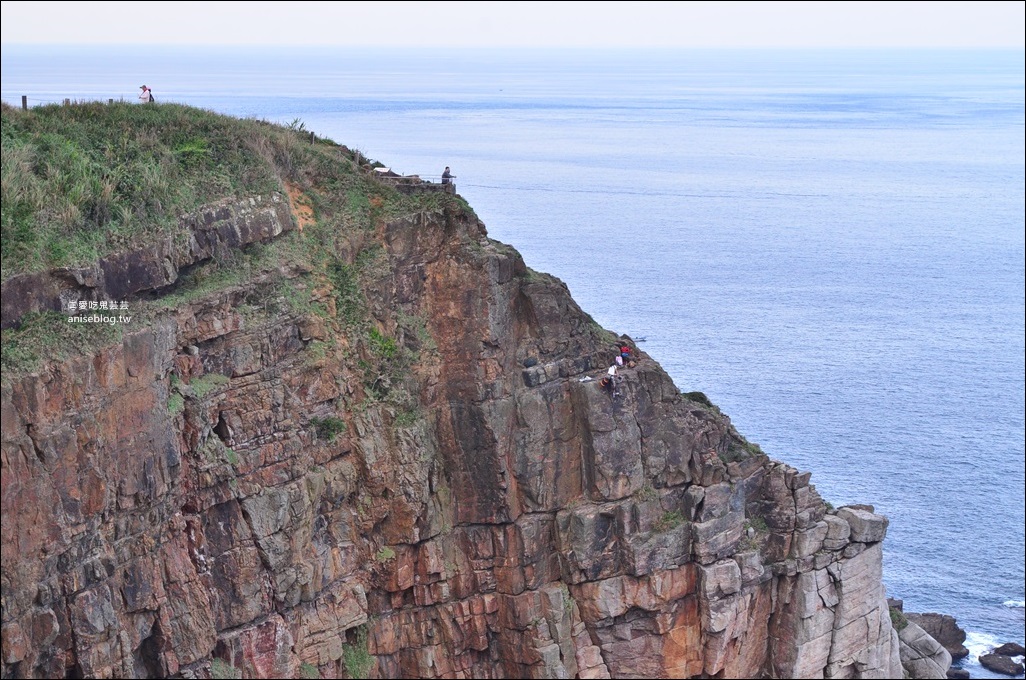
999	663
944	629
866	527
921	655
1010	649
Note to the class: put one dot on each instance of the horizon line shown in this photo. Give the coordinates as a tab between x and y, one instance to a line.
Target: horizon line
456	48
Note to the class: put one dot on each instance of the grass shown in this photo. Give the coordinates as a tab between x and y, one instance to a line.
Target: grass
88	180
898	619
568	599
406	417
175	404
698	397
328	428
205	384
385	554
757	523
49	335
738	451
355	656
669	521
384	348
85	180
646	493
308	671
222	670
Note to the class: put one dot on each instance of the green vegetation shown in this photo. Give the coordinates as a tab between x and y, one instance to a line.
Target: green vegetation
740	450
383	347
355	655
669	521
328	428
385	554
82	181
205	384
898	619
646	493
222	670
698	397
87	180
754	532
406	417
49	335
348	297
568	599
758	523
308	671
175	404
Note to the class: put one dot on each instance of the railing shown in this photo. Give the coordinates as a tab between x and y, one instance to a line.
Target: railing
409	184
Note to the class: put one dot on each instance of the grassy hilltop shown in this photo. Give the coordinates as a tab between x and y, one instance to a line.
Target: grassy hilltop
86	180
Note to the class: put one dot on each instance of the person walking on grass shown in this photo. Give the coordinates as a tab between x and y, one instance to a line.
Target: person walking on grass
146	96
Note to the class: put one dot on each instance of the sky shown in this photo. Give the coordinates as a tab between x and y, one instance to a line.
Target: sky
520	24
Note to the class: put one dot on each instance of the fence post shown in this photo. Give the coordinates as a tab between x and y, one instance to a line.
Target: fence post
311	137
24	102
111	100
67	102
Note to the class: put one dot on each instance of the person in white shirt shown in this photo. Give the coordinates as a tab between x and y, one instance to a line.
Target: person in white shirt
146	96
611	380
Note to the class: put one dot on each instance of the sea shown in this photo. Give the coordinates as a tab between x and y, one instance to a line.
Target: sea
829	244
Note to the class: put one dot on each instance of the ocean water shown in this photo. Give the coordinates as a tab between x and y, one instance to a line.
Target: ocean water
829	244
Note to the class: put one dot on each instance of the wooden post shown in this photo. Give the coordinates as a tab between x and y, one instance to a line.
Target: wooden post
24	103
67	102
311	137
111	100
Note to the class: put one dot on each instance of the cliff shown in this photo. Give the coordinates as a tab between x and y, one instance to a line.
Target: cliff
346	434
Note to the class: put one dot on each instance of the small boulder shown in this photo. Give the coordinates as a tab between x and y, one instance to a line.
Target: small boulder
958	674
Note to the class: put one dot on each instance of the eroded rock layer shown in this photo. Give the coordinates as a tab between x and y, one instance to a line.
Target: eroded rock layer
234	488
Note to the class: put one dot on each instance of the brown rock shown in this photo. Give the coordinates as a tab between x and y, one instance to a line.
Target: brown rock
469	516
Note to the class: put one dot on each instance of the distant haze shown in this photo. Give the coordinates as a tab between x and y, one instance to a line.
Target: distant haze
520	24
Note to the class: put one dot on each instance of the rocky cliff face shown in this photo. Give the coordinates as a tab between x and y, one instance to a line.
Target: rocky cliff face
438	490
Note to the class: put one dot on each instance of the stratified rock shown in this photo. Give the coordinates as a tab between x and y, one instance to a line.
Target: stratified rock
208	485
999	663
944	629
921	655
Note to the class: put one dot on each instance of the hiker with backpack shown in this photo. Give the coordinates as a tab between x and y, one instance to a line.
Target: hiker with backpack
146	96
